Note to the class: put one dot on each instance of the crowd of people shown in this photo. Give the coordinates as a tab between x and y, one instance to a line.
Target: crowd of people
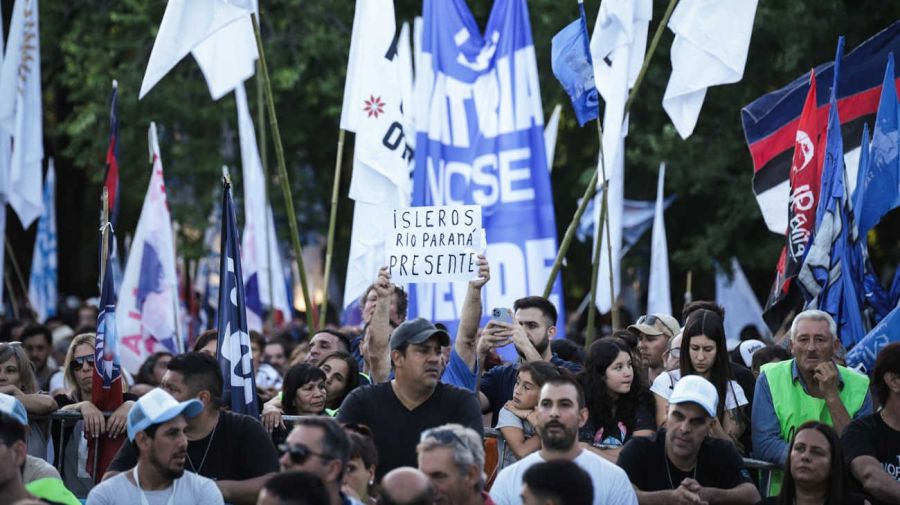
399	411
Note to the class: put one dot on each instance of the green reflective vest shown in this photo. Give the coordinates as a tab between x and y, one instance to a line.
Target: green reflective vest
793	406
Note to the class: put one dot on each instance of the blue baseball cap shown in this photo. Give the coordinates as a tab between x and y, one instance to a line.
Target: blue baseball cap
13	408
156	407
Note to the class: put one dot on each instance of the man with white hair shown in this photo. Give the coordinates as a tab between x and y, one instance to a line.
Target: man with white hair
452	456
810	387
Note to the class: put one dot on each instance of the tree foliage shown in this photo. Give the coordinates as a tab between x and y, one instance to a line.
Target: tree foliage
88	43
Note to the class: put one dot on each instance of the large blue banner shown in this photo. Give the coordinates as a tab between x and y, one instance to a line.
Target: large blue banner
479	140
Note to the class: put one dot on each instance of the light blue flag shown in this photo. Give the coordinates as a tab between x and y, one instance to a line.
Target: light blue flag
865	352
42	291
570	58
879	190
486	149
826	275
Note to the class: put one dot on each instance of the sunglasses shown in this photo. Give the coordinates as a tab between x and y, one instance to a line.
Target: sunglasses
675	352
444	436
78	362
649	320
300	453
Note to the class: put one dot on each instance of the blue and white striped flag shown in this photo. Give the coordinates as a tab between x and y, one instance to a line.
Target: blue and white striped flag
234	342
42	282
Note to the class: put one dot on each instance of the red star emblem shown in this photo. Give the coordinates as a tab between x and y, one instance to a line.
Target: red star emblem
374	106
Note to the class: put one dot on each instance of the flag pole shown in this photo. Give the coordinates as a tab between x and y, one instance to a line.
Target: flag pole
688	296
104	233
283	177
18	272
12	295
329	248
591	188
592	306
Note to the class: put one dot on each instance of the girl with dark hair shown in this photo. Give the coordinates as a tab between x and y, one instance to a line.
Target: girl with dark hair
151	373
704	353
341	377
517	419
304	390
619	405
815	471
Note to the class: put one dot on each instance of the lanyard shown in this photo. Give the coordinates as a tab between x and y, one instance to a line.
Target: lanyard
144	500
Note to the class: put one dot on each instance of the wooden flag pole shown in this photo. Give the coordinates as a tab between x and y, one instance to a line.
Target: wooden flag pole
592	306
592	185
104	234
18	272
283	178
329	247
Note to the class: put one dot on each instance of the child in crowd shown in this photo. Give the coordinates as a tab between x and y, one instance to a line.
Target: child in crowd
516	420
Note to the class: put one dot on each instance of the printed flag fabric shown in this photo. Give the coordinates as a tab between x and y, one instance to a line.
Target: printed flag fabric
261	257
482	143
863	356
382	155
742	308
770	122
659	296
42	292
106	386
235	358
618	45
206	281
710	49
147	317
111	177
550	132
825	278
20	111
880	191
571	63
218	33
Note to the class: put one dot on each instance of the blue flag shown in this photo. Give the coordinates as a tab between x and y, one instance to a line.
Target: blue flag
484	145
865	352
234	342
570	58
42	285
826	276
879	191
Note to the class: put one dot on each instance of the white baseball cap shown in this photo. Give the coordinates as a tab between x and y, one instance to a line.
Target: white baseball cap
156	407
747	348
696	389
11	406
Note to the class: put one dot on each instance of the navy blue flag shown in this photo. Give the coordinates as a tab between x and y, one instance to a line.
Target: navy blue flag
570	57
887	331
233	352
878	191
485	146
826	277
770	121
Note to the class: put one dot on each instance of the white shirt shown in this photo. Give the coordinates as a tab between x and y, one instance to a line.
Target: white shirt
665	382
192	489
611	485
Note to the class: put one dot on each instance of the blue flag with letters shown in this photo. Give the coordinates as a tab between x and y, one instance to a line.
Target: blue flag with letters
570	58
233	352
482	143
865	352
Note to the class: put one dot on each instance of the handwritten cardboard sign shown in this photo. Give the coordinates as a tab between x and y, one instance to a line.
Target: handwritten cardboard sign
435	244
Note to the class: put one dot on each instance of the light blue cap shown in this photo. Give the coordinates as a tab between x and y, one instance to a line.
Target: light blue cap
156	407
12	407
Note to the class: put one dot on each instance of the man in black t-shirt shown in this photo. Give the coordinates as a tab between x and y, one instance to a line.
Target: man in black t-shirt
415	400
872	443
232	449
681	464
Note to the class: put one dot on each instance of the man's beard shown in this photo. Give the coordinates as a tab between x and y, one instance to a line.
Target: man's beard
558	441
166	471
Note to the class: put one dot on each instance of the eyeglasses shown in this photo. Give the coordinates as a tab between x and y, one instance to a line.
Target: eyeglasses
299	453
675	352
79	361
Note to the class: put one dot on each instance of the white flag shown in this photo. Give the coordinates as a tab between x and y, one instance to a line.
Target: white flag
551	128
218	33
710	48
659	299
20	111
147	313
382	157
618	45
407	78
742	308
258	257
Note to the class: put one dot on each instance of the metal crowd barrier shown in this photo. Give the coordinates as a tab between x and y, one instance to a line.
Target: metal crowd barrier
62	418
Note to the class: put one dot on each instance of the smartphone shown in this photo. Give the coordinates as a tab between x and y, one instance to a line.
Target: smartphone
502	314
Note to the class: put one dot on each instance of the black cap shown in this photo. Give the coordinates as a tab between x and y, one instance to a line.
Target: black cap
417	331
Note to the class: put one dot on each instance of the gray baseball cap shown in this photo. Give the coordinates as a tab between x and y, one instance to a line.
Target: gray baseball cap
417	331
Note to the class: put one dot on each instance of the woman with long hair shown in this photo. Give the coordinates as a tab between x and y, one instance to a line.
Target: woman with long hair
704	353
618	403
304	390
341	377
17	379
814	470
151	372
79	376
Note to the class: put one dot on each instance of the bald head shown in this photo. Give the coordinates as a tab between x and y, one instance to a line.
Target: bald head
406	486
